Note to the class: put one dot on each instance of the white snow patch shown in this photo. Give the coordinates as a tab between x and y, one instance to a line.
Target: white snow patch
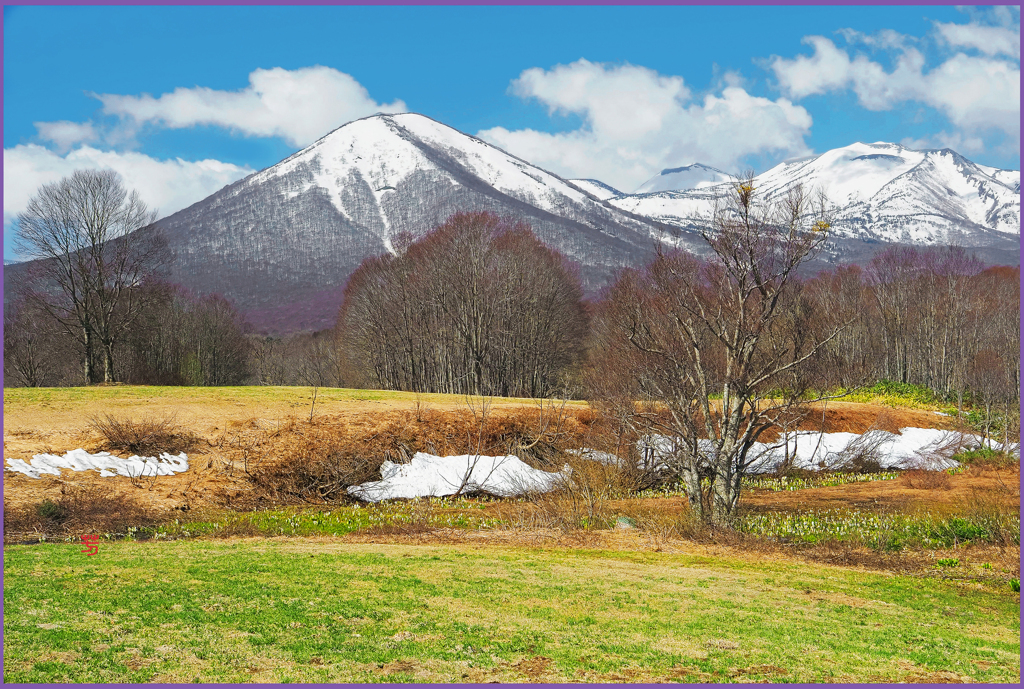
432	476
103	462
596	188
912	448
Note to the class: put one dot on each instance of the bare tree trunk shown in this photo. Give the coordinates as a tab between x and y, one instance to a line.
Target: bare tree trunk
87	357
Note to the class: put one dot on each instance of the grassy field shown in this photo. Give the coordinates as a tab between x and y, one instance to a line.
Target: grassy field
216	575
301	610
130	395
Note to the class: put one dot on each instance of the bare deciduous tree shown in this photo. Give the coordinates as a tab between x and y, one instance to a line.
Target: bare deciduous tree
716	351
478	305
90	259
32	349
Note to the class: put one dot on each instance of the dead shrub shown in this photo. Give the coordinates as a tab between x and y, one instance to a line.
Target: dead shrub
79	510
319	468
665	522
861	455
922	479
582	500
144	437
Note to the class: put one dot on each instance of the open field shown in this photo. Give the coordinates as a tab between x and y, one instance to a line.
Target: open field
35	417
313	611
58	419
208	575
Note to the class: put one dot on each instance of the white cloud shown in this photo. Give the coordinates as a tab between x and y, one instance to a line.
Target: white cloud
990	40
299	105
637	122
165	185
624	102
64	135
977	93
886	39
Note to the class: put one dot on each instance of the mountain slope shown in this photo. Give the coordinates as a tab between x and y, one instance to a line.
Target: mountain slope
882	193
282	242
596	188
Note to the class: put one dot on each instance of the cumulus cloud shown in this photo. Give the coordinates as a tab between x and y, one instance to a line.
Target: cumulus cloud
886	39
298	105
64	135
165	185
977	93
637	122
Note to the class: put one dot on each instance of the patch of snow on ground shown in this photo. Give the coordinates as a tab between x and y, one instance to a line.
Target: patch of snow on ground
913	448
432	476
103	462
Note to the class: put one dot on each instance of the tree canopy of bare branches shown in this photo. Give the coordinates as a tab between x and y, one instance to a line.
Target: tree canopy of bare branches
90	259
479	306
712	352
182	339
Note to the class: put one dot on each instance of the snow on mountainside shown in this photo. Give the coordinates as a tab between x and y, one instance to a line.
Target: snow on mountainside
881	192
382	152
693	176
281	242
598	189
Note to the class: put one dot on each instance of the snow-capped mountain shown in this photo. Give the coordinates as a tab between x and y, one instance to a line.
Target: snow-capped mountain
881	192
281	242
694	176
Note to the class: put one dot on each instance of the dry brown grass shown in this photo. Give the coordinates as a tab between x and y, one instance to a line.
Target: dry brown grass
1002	485
922	479
79	510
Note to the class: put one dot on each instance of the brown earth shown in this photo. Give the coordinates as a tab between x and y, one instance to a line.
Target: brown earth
999	487
231	426
236	432
57	426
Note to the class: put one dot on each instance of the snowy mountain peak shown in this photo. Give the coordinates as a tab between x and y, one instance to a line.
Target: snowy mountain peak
383	151
881	192
693	176
282	241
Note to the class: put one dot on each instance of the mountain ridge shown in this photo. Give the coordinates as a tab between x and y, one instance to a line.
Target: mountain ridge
881	191
281	242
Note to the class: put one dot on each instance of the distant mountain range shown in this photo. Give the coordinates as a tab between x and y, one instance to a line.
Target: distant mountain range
882	193
282	242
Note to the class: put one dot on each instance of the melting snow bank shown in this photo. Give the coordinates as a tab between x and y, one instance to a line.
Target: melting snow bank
104	462
913	448
432	476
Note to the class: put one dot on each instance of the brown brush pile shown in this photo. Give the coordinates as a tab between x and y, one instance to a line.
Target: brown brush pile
316	462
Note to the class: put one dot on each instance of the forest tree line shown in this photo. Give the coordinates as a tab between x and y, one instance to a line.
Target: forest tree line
705	352
479	305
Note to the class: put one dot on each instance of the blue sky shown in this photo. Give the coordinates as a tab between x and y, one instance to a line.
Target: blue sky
183	100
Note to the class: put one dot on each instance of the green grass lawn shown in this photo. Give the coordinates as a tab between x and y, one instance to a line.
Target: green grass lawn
307	611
